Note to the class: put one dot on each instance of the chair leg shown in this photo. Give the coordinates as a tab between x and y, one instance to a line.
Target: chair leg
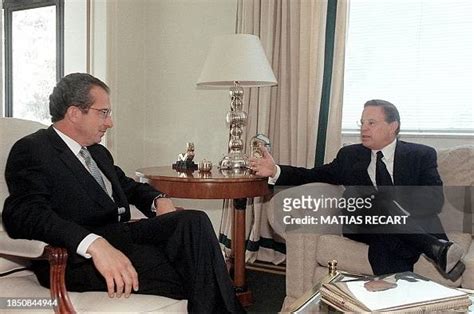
57	258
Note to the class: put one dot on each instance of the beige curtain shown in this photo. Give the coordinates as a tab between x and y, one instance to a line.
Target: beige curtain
293	34
334	138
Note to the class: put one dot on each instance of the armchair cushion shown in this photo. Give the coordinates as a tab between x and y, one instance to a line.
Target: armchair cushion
351	256
21	247
28	286
468	276
11	130
11	265
455	165
15	254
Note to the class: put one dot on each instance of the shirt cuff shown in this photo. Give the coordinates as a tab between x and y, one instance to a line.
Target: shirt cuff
85	243
161	195
273	180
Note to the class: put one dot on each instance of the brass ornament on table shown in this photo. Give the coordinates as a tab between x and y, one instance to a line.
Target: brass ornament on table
205	166
314	294
256	144
332	267
185	160
185	174
205	175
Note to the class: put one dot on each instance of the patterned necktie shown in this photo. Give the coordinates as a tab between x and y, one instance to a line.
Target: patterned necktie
382	177
93	168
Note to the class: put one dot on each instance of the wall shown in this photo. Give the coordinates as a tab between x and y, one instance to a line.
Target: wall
125	76
179	34
2	100
155	51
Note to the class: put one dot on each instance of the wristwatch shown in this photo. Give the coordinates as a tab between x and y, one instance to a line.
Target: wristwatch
162	195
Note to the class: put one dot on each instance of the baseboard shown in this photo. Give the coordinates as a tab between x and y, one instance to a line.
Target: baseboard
267	267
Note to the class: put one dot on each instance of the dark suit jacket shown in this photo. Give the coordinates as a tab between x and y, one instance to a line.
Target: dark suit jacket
414	165
53	198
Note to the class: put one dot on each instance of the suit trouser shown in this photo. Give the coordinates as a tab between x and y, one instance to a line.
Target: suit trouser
176	255
387	252
395	248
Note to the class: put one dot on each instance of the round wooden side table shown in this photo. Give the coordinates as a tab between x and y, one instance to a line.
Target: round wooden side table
216	184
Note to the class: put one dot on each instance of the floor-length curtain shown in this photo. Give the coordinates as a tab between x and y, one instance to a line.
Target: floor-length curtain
293	34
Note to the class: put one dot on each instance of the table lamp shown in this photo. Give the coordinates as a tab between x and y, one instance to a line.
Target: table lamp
236	61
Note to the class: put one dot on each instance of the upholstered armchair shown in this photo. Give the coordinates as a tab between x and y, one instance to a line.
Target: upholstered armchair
17	281
308	253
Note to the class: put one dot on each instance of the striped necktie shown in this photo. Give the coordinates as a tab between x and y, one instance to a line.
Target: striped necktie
92	166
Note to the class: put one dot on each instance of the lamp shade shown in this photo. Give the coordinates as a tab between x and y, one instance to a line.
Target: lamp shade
236	58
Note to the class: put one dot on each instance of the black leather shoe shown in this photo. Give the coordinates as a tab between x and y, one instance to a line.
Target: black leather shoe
456	272
447	256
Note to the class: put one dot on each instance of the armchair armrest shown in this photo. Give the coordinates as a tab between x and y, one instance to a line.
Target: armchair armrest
21	247
57	258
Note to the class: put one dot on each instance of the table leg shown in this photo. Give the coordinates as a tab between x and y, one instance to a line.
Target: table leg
243	293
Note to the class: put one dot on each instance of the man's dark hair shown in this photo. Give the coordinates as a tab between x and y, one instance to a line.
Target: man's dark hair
73	90
391	112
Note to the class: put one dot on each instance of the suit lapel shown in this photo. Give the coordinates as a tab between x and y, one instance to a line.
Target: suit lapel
360	167
400	163
84	178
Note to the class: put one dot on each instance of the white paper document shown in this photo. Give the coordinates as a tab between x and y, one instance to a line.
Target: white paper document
406	292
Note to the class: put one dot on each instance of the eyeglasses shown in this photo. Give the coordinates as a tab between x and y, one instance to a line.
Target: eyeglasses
370	123
104	113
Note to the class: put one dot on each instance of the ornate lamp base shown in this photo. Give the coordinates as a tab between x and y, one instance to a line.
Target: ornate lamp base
234	161
237	119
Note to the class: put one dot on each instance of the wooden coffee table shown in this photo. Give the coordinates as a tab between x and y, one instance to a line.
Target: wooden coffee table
310	301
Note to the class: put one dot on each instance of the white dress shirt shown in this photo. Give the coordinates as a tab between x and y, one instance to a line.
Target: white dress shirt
388	157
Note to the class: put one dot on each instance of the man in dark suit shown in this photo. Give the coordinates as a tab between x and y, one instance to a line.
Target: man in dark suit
65	190
401	177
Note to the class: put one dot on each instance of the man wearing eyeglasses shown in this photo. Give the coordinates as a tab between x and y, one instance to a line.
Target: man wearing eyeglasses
65	190
400	177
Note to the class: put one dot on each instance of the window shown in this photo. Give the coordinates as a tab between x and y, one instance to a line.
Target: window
416	54
33	56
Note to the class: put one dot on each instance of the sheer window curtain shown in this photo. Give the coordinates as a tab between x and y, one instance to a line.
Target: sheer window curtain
293	34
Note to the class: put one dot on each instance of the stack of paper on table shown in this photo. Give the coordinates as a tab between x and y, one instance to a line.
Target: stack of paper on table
412	293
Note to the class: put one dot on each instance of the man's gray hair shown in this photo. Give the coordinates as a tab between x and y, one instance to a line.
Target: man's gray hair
73	90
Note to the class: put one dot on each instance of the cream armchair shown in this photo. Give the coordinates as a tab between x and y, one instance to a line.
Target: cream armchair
17	281
308	252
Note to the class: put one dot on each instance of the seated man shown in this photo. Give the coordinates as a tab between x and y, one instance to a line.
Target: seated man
374	166
65	190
